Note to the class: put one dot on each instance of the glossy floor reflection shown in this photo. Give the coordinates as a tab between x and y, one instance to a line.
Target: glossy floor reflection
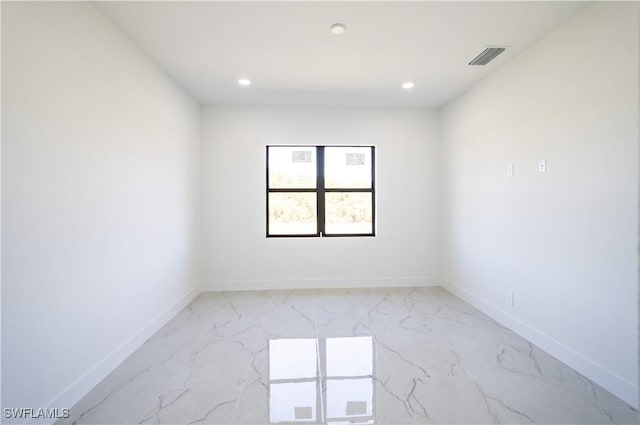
326	380
386	356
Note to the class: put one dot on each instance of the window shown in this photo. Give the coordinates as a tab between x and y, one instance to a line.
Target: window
320	191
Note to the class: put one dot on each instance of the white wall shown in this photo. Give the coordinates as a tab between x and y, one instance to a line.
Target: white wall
99	195
564	241
237	255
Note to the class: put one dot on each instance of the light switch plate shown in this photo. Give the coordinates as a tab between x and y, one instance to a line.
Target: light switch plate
542	165
510	169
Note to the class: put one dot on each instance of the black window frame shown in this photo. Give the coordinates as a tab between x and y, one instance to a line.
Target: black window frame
320	190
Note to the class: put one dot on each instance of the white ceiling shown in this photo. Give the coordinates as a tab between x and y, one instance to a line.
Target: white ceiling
287	51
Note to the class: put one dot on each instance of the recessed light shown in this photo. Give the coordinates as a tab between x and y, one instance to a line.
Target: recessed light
408	85
244	82
338	28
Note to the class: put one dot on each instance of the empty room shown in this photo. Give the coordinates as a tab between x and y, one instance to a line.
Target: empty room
320	212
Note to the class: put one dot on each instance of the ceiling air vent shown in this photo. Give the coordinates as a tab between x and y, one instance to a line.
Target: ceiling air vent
487	55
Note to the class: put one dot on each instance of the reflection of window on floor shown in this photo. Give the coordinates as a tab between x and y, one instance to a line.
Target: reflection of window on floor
293	380
342	367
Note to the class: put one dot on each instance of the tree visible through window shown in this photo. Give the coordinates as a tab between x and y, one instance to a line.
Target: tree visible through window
320	191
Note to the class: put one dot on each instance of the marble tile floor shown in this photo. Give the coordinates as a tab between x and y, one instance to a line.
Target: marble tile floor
385	356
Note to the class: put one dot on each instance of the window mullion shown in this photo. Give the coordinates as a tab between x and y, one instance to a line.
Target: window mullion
320	188
373	191
267	200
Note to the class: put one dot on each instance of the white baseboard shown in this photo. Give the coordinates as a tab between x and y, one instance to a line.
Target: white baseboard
78	389
625	390
340	283
617	385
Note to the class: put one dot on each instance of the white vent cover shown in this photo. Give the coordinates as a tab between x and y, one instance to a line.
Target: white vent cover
487	55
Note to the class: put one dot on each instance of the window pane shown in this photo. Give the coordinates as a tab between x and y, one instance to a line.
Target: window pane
292	402
292	167
349	356
292	213
348	213
347	167
292	358
349	397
